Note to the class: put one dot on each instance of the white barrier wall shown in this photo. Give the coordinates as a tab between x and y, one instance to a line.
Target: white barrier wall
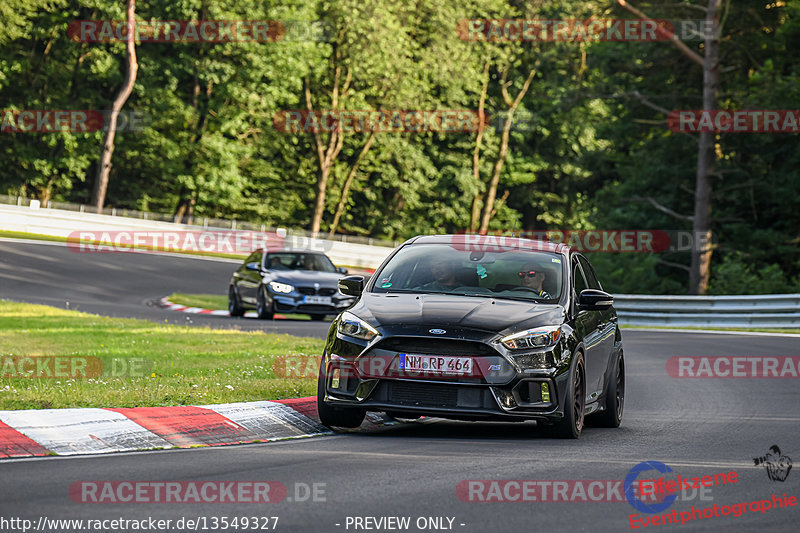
59	223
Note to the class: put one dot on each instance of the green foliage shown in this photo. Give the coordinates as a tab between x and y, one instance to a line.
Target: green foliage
595	152
735	276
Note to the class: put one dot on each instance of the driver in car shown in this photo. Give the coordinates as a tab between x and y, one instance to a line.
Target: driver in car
532	276
444	276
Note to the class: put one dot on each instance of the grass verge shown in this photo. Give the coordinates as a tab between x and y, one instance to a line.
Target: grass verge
146	364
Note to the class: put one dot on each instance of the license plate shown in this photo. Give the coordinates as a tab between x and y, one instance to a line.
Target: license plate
325	300
435	363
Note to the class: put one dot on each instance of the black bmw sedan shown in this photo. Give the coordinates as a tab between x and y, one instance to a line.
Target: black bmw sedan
476	328
287	282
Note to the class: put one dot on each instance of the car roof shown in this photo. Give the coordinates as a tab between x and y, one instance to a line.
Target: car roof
498	240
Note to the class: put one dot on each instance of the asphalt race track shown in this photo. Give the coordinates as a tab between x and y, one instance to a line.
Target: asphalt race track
697	427
125	284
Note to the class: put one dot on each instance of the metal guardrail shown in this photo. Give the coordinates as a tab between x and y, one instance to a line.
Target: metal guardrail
760	310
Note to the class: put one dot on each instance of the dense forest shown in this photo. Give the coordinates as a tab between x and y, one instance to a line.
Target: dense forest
577	136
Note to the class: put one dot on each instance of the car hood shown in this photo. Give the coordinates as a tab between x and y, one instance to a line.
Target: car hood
305	277
422	311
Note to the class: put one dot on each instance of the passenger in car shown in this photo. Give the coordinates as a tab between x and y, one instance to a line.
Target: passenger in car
532	276
444	275
275	264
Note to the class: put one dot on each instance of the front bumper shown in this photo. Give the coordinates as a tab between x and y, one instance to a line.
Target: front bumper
295	302
499	387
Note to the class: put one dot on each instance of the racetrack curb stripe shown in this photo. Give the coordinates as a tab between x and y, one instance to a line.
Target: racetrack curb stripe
164	303
82	431
37	432
15	444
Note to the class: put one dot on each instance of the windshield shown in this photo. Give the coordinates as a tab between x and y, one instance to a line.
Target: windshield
299	261
440	268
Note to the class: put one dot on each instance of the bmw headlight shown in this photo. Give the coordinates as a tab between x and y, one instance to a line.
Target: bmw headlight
532	338
352	326
280	287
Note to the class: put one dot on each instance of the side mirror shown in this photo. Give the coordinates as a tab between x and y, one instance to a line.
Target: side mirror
594	300
351	285
253	266
342	270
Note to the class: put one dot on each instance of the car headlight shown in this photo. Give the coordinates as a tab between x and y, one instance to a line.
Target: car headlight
532	338
352	326
280	287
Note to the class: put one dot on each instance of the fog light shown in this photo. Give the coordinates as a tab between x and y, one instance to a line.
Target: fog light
545	393
335	379
505	398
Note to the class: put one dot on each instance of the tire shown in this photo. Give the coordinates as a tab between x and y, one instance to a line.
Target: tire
614	402
571	425
317	317
264	311
234	305
335	416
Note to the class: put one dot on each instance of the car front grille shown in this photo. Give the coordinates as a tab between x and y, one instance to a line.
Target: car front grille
426	345
311	308
310	291
423	394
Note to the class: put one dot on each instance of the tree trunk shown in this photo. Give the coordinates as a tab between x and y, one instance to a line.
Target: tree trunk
104	166
491	194
476	154
326	156
346	188
706	157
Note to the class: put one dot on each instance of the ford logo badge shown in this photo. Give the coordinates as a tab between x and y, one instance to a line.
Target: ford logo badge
437	331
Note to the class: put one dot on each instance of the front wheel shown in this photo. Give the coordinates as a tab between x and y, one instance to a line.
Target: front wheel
332	416
611	416
234	305
263	309
571	425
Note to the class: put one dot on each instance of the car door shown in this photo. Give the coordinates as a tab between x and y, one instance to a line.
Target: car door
250	277
607	320
587	325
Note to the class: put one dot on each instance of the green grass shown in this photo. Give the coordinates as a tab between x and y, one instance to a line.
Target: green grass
707	328
206	301
183	365
32	236
213	301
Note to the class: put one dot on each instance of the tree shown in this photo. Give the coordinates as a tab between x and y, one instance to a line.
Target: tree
104	166
700	269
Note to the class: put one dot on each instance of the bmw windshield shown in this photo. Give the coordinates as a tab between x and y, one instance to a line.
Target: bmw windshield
442	268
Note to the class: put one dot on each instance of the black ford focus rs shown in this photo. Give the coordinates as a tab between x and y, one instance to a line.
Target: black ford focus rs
476	328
